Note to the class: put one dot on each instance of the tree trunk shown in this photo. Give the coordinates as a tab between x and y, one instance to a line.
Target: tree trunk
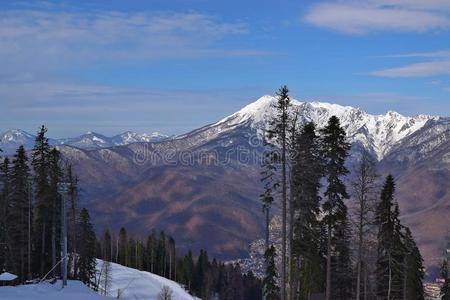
360	246
53	241
284	211
390	279
328	279
29	234
267	227
43	248
365	282
405	277
291	239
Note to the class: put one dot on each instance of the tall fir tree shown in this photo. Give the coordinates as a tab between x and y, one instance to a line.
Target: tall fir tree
335	151
122	247
306	173
6	252
87	250
161	254
188	270
342	268
20	212
40	163
107	246
391	249
413	270
278	133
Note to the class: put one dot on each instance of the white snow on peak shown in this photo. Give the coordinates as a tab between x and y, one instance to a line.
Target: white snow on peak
378	133
15	135
129	137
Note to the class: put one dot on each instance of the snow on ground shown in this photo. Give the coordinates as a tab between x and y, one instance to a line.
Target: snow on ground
133	284
75	290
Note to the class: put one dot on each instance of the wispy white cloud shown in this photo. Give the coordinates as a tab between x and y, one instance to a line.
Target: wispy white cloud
40	39
433	54
438	64
362	17
424	69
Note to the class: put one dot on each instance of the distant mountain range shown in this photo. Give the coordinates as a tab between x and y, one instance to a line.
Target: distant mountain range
202	187
10	140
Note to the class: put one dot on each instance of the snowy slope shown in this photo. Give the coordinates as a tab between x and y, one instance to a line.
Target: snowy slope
129	137
377	133
133	284
75	290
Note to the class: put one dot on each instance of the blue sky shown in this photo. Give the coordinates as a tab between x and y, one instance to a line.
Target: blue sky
172	66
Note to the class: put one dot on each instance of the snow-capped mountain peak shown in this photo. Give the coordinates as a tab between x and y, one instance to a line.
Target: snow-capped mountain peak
15	135
377	133
12	139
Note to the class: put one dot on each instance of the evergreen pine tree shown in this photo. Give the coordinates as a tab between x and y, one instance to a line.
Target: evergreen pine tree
391	250
20	212
40	163
200	274
6	253
87	250
122	248
413	269
306	173
161	255
342	280
271	290
279	127
106	246
335	151
188	270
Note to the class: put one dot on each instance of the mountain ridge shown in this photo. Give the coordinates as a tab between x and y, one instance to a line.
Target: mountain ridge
383	132
378	133
11	139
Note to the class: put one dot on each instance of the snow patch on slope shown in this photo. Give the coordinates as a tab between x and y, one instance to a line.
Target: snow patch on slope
133	284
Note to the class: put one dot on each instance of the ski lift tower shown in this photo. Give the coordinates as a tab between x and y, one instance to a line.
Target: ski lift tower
62	189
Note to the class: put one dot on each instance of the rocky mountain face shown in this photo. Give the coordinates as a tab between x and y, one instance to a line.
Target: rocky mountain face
202	187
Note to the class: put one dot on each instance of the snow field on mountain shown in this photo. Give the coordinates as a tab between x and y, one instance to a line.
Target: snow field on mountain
377	133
